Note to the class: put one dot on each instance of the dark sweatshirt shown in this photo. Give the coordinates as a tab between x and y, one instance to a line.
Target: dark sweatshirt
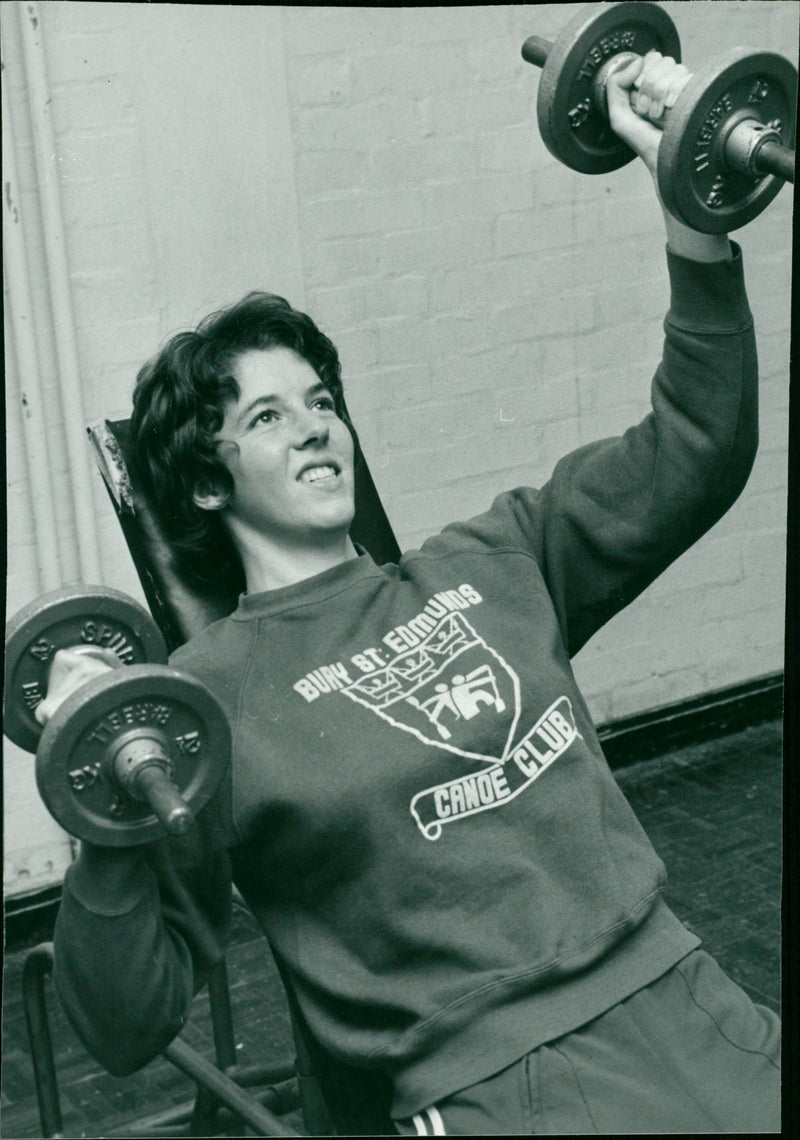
418	811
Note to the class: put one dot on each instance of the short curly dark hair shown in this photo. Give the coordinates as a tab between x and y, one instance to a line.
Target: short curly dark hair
179	406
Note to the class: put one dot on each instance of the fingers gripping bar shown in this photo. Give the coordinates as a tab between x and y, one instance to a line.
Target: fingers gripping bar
727	145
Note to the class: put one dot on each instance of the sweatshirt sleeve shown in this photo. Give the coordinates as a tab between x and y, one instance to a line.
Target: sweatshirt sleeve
616	513
128	965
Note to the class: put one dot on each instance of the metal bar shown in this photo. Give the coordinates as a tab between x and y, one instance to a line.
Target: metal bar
58	279
20	312
536	49
206	1106
316	1117
264	1122
203	1121
38	964
219	998
773	158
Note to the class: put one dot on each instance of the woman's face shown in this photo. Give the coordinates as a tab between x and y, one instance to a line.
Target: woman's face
288	452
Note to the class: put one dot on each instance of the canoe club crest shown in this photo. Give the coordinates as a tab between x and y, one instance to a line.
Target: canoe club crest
444	689
452	691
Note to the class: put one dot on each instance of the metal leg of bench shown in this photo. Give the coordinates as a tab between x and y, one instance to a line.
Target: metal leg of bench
204	1116
253	1114
219	997
38	964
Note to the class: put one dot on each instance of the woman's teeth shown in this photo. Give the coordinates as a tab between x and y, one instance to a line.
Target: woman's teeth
314	474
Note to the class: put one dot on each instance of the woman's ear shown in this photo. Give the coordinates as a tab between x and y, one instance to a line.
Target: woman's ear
209	497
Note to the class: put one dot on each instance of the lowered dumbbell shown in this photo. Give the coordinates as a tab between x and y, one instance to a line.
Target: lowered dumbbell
726	148
131	754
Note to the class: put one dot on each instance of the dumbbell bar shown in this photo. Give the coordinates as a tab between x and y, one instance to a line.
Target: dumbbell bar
725	151
130	754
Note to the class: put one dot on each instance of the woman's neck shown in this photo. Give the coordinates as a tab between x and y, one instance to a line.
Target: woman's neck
271	567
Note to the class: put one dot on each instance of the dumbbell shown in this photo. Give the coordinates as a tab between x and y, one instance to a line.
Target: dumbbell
131	754
725	151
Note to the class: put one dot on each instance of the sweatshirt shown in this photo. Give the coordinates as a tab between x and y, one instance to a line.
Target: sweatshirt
418	811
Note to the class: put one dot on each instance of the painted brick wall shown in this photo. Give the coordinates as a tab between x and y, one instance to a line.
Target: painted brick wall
172	205
383	168
495	309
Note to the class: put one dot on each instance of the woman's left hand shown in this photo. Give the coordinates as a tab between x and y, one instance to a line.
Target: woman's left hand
651	84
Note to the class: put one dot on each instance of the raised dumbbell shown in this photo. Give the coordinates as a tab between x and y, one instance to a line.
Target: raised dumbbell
726	148
131	754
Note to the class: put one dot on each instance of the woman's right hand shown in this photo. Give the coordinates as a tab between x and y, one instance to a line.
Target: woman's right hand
70	669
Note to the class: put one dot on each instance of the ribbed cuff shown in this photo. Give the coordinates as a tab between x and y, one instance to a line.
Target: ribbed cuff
708	296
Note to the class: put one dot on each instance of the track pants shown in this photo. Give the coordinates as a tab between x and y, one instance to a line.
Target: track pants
688	1053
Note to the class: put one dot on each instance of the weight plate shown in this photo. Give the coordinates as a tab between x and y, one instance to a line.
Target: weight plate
574	129
72	772
695	182
62	619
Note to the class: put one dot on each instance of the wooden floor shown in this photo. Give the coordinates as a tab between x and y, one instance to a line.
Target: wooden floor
713	814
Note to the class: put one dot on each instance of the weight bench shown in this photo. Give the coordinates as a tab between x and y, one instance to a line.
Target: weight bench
333	1098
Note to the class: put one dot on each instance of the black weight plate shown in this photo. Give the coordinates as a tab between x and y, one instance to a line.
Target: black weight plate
61	619
696	184
71	769
573	128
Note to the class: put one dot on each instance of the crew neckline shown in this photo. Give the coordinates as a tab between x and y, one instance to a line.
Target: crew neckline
308	590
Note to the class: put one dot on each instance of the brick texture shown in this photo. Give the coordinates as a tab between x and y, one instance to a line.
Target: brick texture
522	304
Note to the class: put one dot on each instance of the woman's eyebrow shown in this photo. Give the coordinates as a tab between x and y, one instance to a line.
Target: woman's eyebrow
251	407
315	389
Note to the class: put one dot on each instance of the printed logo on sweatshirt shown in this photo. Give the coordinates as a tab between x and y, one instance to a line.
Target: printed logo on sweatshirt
437	678
444	690
547	740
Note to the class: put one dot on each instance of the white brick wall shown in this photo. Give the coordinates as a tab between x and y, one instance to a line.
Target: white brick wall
498	280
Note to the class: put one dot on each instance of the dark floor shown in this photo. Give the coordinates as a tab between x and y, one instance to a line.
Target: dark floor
713	814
